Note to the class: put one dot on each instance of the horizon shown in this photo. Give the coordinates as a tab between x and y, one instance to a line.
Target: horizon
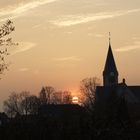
62	42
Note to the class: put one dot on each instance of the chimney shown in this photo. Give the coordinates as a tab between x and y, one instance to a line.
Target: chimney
123	81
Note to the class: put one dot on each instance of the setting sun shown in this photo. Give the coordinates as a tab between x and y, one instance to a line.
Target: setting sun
75	100
69	69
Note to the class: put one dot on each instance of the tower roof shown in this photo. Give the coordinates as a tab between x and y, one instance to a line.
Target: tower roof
110	65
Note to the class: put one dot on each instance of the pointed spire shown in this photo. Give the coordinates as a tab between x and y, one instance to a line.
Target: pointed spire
110	73
110	65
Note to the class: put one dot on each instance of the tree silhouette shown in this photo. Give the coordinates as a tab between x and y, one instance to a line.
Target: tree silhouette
21	103
67	97
13	105
31	104
88	89
61	97
5	43
48	95
57	97
42	96
45	94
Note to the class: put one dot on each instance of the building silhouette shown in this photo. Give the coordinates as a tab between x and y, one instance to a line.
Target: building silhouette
115	91
110	73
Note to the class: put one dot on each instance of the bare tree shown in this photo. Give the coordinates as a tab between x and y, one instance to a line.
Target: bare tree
31	104
22	103
46	94
42	96
12	105
62	97
67	97
50	91
22	97
88	89
5	43
57	97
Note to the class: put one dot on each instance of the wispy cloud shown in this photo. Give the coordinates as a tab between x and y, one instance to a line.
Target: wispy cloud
22	47
95	35
129	48
24	69
37	26
71	58
18	10
99	35
78	19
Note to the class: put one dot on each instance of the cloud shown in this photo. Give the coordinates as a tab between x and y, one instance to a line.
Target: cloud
99	35
129	48
22	47
96	35
16	11
37	26
71	58
24	69
78	19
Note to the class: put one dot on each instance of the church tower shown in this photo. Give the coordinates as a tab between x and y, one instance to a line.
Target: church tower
110	73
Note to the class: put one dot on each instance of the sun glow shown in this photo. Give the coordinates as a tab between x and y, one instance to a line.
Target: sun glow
75	100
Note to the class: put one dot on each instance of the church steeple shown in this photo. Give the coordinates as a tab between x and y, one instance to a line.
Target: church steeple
110	73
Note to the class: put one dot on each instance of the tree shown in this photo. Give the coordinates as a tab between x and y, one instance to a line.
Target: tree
5	43
88	89
46	94
22	103
13	105
50	91
67	97
57	97
42	96
31	104
62	97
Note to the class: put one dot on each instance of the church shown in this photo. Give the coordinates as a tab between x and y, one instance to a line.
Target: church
112	87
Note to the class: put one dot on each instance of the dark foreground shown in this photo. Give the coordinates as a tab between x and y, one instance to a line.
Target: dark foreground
68	128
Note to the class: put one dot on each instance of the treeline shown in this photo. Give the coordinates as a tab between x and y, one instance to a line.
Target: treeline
24	103
26	124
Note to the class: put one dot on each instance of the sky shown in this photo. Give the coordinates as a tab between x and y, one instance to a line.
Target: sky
62	42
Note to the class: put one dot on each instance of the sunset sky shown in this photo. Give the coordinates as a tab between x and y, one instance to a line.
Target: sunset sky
62	42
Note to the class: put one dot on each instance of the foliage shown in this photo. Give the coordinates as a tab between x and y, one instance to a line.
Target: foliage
5	43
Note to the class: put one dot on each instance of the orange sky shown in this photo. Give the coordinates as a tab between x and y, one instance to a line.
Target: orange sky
63	41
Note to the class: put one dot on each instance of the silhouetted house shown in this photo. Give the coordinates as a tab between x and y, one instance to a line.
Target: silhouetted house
113	89
61	111
3	119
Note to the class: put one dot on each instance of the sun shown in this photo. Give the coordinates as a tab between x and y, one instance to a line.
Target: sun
75	100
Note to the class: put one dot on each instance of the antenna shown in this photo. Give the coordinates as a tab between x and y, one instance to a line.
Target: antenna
109	38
